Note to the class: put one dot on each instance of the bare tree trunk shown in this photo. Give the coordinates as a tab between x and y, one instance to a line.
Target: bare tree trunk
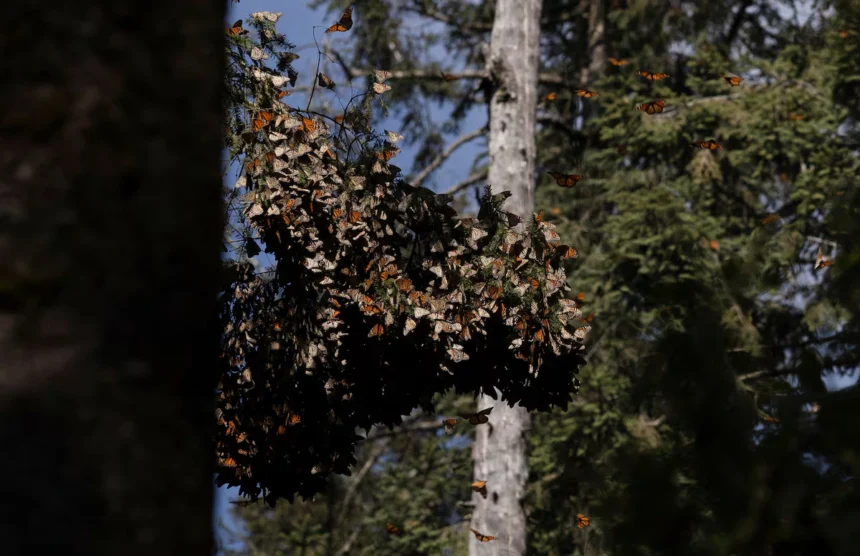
596	42
110	230
500	447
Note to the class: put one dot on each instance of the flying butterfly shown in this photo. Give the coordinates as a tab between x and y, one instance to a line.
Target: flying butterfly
654	107
821	261
733	80
236	29
565	180
447	76
481	537
618	62
549	96
770	218
709	145
480	487
325	81
585	93
653	76
582	521
449	425
478	418
392	529
796	117
343	24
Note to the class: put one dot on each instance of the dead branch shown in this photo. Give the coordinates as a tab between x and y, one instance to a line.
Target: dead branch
419	179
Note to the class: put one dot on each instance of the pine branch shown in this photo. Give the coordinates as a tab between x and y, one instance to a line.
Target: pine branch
460	141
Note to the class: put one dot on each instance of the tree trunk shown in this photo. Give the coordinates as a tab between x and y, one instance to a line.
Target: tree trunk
500	447
110	204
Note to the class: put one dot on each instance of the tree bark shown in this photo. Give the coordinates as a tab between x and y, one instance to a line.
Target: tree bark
110	231
500	447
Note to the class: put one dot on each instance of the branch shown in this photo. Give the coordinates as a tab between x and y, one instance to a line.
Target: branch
347	546
436	75
419	179
377	451
471	180
419	426
431	12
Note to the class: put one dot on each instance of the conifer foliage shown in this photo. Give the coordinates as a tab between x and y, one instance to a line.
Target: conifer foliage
381	296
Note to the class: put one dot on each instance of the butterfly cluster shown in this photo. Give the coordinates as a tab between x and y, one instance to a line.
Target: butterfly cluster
381	295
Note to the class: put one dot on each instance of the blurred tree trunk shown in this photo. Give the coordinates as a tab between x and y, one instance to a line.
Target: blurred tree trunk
500	447
110	211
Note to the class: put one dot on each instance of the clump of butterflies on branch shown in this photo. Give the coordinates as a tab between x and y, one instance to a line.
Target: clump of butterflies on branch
381	295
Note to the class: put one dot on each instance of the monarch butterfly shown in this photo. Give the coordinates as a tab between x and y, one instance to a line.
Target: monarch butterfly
480	487
253	164
478	418
392	136
293	419
653	76
843	34
236	29
381	75
820	261
708	145
565	180
714	244
343	24
585	93
549	96
449	425
387	153
377	330
770	218
796	117
270	157
733	80
493	292
566	252
582	521
309	125
257	124
282	94
654	107
589	318
355	216
391	528
228	462
447	76
616	62
535	284
325	81
403	284
380	88
539	335
481	537
580	297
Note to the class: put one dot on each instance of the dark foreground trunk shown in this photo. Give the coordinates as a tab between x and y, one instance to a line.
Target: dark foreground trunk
110	226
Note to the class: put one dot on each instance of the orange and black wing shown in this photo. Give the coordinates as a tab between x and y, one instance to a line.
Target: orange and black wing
343	24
